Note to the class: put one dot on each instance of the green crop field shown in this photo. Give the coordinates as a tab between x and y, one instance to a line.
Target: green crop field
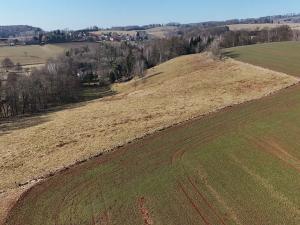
279	56
238	166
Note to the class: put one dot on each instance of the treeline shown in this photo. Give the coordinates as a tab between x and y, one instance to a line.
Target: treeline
246	37
54	84
61	80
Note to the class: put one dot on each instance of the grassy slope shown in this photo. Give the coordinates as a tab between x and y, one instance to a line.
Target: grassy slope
280	56
180	89
239	166
35	54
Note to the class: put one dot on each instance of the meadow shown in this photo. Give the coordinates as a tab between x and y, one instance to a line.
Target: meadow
36	55
210	170
278	56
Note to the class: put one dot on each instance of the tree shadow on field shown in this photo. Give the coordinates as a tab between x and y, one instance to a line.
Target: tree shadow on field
25	121
231	54
9	125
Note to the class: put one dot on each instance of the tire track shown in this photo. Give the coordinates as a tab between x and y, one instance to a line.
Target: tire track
206	201
194	205
276	150
269	188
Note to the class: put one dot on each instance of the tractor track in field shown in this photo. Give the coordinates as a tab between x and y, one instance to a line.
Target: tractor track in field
276	150
206	201
194	205
274	193
178	153
177	156
72	193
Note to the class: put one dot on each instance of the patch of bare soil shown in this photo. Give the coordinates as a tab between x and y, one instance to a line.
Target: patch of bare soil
145	212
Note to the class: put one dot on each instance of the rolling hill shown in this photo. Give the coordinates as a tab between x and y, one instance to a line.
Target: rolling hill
178	90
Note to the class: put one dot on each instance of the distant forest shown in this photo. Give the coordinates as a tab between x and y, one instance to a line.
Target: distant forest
19	30
288	18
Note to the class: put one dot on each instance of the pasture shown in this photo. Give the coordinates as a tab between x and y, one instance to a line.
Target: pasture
279	56
36	55
237	166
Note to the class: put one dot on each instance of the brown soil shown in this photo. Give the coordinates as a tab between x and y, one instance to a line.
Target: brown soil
145	212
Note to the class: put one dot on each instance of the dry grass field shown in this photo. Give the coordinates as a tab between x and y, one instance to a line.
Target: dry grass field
294	26
161	32
36	55
173	92
121	32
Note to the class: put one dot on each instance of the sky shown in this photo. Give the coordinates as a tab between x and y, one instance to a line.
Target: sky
77	14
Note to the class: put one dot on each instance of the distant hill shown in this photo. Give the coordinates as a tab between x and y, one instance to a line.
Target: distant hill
18	30
275	19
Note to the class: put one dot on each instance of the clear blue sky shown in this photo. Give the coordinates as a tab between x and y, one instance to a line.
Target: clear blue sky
74	14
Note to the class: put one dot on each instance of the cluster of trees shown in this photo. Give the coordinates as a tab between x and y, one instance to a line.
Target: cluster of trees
245	37
53	84
61	80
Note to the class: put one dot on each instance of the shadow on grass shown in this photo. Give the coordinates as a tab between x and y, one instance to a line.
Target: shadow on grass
231	54
24	121
153	75
16	123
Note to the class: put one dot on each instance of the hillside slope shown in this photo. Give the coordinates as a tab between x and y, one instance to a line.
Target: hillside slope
173	92
237	166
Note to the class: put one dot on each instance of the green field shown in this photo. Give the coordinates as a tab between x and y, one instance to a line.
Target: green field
238	166
35	54
279	56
